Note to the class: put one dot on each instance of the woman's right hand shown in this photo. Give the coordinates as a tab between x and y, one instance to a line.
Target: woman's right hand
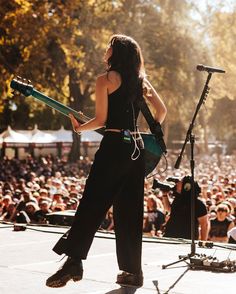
75	123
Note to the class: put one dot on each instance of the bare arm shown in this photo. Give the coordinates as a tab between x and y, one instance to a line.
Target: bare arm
231	226
101	108
156	101
166	201
204	227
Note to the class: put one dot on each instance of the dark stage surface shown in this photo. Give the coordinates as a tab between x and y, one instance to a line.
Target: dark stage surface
26	260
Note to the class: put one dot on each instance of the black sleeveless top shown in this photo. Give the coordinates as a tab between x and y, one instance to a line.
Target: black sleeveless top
120	111
219	228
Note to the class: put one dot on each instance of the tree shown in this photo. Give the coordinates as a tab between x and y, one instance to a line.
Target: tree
59	44
221	34
223	119
55	45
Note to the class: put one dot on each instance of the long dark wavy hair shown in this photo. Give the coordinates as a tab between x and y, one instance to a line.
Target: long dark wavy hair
127	60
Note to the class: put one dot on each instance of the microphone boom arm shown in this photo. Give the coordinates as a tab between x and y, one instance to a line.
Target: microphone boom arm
189	132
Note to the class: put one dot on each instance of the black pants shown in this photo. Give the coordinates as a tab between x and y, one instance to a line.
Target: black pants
115	179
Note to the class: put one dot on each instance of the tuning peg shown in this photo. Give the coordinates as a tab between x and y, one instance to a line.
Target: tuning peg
29	81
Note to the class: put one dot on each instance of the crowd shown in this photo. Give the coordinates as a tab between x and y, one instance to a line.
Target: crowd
32	188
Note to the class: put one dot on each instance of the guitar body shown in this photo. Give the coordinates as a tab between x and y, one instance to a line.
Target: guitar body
153	151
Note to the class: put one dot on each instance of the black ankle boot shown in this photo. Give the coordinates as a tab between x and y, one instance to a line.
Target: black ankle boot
72	269
130	280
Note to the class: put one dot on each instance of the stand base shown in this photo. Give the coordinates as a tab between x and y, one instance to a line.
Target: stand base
204	262
181	258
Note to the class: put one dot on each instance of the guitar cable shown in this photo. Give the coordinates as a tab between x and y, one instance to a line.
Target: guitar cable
158	172
135	136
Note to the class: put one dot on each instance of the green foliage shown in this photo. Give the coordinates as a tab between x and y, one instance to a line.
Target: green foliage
59	46
223	119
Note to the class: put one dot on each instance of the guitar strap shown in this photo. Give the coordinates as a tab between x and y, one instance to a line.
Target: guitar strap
155	127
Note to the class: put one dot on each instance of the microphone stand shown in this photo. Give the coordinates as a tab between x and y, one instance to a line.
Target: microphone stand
191	138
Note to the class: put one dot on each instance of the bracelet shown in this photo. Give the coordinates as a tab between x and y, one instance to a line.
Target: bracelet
78	133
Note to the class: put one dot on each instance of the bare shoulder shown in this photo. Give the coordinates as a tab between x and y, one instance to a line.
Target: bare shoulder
112	74
102	80
110	80
114	77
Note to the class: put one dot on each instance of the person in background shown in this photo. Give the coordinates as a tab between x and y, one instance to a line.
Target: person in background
28	214
179	222
232	236
40	215
221	224
108	223
155	217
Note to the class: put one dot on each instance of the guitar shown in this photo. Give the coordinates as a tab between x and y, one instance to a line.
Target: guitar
153	151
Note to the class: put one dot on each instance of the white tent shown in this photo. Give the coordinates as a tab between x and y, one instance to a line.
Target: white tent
10	136
90	136
61	135
42	137
46	136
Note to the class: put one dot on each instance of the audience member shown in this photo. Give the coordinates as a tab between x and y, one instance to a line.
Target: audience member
220	225
31	188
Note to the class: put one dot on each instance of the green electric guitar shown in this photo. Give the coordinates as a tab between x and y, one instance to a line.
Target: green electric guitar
153	151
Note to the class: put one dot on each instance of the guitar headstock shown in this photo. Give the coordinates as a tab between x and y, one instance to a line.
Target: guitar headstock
22	85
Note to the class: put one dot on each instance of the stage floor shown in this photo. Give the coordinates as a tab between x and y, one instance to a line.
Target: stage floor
26	261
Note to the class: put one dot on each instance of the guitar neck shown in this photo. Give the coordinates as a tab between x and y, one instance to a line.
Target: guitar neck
60	107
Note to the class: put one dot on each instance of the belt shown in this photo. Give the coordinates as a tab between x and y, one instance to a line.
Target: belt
113	130
119	131
138	141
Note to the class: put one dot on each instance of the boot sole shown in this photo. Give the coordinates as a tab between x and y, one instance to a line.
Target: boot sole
129	285
62	282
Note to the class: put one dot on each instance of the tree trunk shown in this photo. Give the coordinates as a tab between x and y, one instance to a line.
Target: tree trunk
77	100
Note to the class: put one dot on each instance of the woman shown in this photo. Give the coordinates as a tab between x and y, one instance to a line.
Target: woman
117	174
221	224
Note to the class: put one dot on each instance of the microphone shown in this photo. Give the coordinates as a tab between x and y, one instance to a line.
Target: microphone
209	69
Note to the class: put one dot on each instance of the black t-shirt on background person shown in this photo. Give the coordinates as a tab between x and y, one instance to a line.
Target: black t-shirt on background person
179	223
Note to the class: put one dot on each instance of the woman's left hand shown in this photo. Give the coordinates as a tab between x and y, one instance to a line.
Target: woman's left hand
74	122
